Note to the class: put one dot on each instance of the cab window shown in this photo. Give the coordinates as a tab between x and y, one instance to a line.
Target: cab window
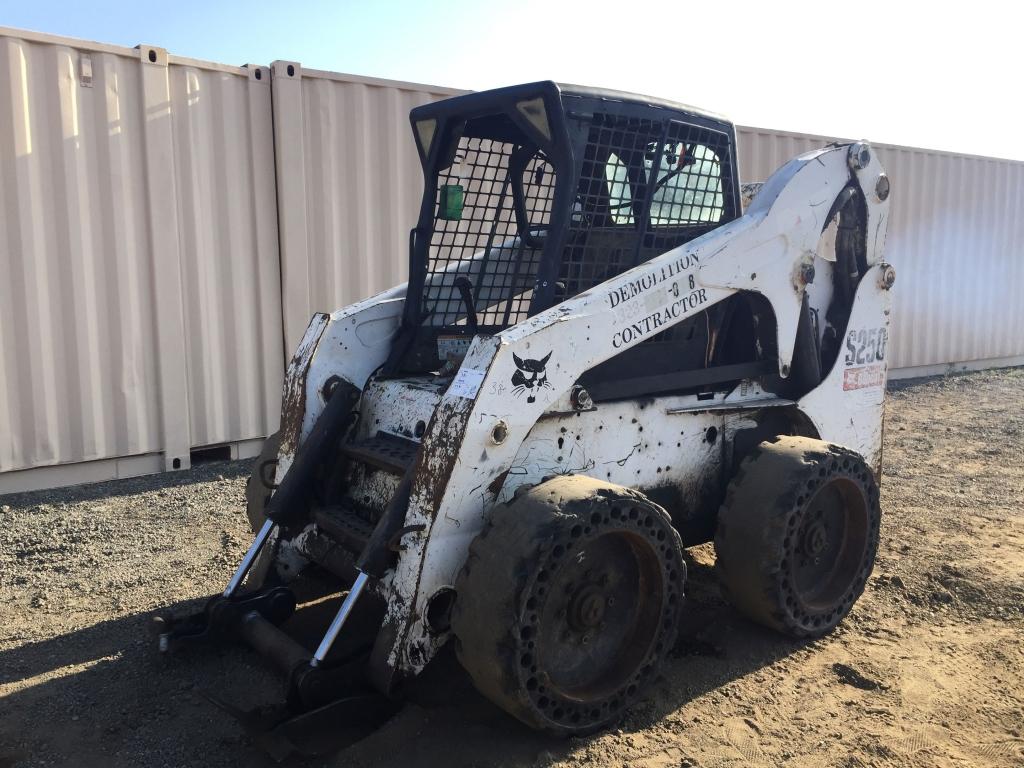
688	188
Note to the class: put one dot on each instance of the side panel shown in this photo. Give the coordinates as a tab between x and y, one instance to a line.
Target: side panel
673	455
350	344
847	407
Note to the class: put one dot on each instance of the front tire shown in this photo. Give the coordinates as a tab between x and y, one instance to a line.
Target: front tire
798	534
569	602
258	487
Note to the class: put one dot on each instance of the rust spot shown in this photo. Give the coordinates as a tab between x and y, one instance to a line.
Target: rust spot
441	444
293	400
293	408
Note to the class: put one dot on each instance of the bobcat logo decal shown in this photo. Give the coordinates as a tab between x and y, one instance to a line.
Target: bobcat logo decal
530	376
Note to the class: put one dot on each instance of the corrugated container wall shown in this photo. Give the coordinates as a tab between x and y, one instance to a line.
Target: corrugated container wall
140	298
350	186
80	374
956	238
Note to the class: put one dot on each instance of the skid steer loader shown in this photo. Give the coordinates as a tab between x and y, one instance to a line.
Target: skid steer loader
599	359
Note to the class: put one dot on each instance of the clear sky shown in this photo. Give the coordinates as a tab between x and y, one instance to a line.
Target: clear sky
936	74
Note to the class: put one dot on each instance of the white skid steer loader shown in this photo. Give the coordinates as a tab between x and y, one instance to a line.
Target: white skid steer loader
599	359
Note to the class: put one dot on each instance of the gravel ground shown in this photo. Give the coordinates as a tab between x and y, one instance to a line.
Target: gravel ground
927	671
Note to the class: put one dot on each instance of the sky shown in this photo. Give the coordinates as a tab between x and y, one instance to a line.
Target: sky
936	75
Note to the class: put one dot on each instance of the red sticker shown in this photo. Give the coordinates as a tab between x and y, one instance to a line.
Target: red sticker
863	377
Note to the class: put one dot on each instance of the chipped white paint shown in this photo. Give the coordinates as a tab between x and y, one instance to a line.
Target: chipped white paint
528	371
463	472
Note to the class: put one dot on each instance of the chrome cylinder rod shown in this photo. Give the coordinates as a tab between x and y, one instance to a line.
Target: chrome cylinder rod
339	620
250	557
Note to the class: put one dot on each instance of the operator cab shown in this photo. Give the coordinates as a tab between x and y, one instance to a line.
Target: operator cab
536	193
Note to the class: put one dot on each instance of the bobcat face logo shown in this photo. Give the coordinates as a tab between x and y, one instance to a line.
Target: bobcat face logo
530	376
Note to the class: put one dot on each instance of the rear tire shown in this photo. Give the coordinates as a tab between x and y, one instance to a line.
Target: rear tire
569	602
257	492
257	488
798	534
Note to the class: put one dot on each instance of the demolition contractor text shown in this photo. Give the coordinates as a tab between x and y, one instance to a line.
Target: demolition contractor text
644	283
660	318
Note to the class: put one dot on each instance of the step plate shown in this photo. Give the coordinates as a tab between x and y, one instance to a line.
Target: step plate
344	526
388	452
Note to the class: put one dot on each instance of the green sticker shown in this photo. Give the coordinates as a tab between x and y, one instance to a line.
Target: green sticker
451	202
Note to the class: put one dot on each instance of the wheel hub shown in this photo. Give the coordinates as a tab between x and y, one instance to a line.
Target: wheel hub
829	545
816	539
586	608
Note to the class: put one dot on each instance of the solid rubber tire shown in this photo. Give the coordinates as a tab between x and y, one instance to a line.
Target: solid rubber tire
758	523
256	493
492	613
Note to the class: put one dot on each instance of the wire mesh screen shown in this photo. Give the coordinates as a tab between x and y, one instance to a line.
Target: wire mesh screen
602	237
689	196
478	243
645	187
688	199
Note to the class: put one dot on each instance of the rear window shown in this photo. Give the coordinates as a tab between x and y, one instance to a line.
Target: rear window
688	189
689	186
620	195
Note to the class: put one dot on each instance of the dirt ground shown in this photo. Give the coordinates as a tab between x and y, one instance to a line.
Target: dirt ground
927	671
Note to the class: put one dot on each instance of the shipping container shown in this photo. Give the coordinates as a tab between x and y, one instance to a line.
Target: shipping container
140	305
168	226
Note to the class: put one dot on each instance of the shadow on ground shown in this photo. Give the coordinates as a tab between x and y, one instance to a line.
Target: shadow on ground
447	720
